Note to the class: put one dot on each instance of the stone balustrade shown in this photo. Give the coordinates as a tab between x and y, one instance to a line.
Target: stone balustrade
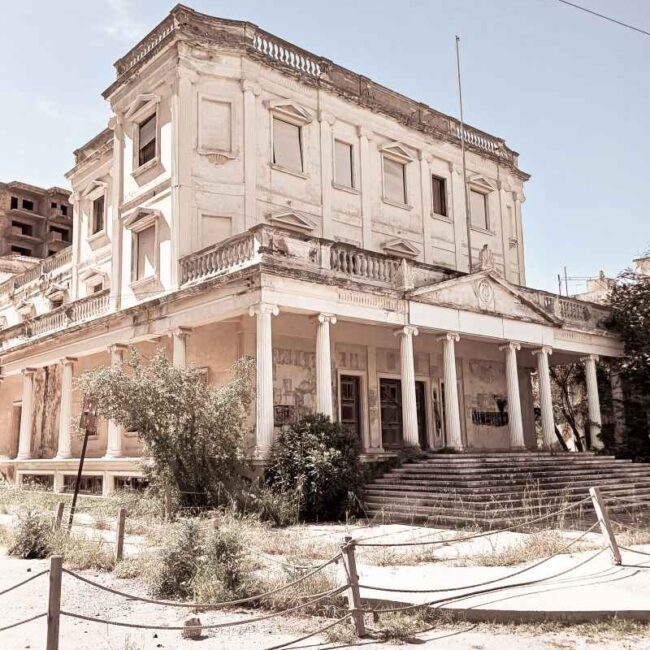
363	265
479	139
51	264
270	46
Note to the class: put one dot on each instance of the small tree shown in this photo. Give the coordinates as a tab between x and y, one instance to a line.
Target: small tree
630	303
193	434
319	459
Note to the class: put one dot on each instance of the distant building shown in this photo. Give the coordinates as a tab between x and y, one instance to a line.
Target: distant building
34	221
598	289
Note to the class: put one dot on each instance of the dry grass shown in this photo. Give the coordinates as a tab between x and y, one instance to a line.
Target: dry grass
79	552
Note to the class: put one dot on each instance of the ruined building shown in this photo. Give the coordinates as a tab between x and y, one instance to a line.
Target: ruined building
249	191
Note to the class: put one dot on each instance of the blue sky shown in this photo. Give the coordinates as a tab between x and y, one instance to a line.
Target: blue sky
568	91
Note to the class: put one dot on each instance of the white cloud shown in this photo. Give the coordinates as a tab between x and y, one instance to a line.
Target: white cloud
121	23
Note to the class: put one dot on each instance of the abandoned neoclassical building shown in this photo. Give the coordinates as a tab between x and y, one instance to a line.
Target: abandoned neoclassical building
251	198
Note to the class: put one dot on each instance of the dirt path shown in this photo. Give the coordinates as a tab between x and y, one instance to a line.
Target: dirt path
81	635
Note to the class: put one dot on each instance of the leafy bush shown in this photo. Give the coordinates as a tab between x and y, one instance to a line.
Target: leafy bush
30	540
319	459
276	507
193	433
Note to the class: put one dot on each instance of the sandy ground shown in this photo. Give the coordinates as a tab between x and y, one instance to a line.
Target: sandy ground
84	599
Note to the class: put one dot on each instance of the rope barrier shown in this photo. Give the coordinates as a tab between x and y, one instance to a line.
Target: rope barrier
477	535
229	603
24	582
632	550
312	634
479	592
488	582
23	622
256	619
270	558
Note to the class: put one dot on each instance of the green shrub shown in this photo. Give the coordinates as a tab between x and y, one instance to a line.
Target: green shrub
30	540
319	459
280	508
174	572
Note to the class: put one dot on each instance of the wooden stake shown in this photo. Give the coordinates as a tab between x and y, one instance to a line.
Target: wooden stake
58	516
605	524
119	534
354	596
54	603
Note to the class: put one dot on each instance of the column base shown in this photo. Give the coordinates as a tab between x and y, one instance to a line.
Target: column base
111	455
63	457
519	448
24	457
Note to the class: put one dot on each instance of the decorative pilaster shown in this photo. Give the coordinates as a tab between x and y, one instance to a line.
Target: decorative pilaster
26	415
264	377
251	91
324	365
115	431
593	401
116	198
514	400
409	407
452	404
366	187
65	411
326	165
545	396
179	346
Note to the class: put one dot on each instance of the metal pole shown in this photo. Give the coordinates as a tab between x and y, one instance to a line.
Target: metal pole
78	481
468	216
559	283
566	283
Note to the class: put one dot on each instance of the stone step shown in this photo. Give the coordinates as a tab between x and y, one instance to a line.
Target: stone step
521	467
535	470
492	462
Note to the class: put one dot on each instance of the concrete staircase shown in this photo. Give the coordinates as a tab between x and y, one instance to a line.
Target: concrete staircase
493	490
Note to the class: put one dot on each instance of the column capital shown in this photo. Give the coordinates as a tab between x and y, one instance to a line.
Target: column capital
117	347
512	345
364	132
545	349
250	86
326	318
327	118
449	336
68	361
407	330
180	331
590	357
263	308
28	371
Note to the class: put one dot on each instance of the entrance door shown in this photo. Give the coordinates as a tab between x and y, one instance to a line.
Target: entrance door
390	397
421	406
351	403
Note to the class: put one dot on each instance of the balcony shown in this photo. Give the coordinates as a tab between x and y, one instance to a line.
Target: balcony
56	263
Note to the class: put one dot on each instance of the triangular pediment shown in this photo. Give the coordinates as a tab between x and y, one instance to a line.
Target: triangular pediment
95	186
142	102
293	220
484	292
396	150
482	183
400	246
293	111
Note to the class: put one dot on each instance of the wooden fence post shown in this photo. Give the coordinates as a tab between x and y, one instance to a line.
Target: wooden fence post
54	602
354	596
605	524
119	534
58	516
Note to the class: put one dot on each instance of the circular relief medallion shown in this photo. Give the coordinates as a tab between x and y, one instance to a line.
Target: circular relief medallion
485	294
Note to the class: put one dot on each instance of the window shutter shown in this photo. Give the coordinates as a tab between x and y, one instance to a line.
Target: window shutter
439	196
343	164
395	180
146	253
478	208
286	145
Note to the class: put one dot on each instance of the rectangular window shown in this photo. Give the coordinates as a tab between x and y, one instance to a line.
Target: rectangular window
350	386
53	205
394	180
14	202
145	244
87	484
64	210
478	209
287	145
97	224
147	140
343	170
21	251
96	288
22	229
439	195
28	205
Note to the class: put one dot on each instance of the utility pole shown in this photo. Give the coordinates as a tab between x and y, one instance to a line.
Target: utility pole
468	216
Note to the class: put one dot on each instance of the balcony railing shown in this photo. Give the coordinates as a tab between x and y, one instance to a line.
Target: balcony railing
48	265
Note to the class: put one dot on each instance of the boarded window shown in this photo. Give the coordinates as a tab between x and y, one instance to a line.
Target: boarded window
145	253
343	164
215	229
215	121
287	147
394	180
439	195
97	224
478	209
147	140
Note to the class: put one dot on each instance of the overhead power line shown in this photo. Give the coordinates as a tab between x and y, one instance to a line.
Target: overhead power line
609	18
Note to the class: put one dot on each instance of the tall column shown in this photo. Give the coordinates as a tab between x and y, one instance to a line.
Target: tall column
545	397
514	401
179	346
26	416
264	377
593	401
65	411
324	365
409	407
452	405
618	406
115	431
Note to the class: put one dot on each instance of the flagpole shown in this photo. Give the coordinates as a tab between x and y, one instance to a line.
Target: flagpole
468	216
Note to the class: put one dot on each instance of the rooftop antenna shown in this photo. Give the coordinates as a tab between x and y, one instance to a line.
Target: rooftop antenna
468	216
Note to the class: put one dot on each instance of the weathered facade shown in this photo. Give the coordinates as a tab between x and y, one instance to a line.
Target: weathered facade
249	191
